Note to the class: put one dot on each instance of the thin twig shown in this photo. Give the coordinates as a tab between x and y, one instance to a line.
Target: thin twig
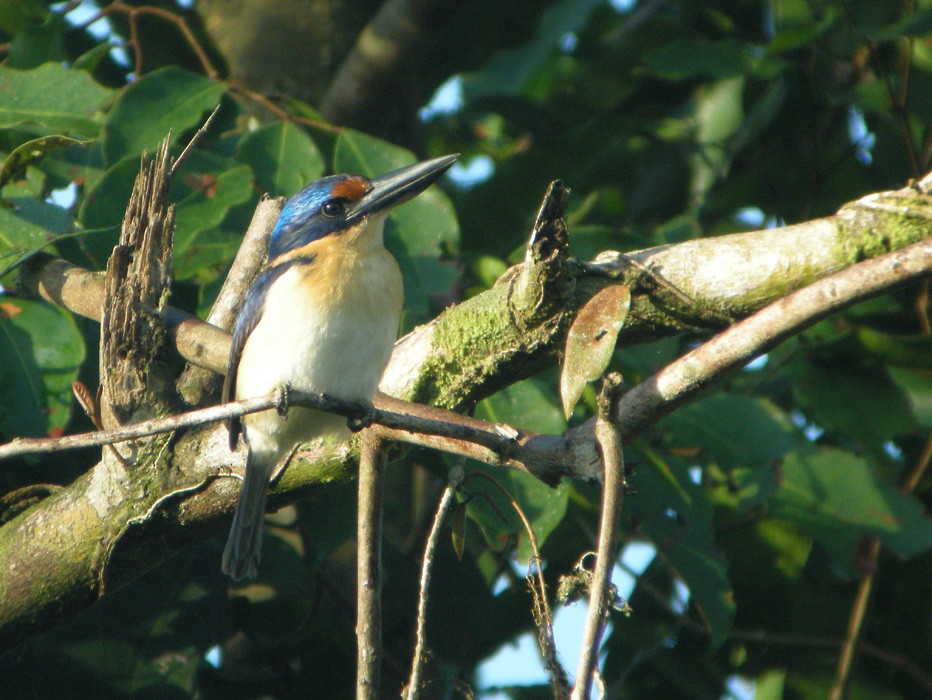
543	615
855	624
132	15
199	134
859	609
420	655
609	437
24	446
922	466
282	113
369	570
405	421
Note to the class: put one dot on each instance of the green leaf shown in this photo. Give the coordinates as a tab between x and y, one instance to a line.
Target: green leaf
90	59
167	100
900	350
543	506
591	342
689	58
103	207
486	269
283	157
51	97
528	405
17	14
361	154
510	71
18	240
41	351
31	151
26	226
769	685
854	397
197	242
734	431
917	386
736	439
38	43
678	520
719	114
916	23
837	499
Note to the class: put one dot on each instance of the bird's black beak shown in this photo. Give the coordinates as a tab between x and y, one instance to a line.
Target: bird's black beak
399	186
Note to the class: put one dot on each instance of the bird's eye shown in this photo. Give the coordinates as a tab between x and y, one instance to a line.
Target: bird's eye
333	207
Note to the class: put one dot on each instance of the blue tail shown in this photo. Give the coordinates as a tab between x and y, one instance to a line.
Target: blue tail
244	545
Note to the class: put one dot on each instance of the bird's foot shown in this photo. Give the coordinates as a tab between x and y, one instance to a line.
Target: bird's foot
284	392
364	420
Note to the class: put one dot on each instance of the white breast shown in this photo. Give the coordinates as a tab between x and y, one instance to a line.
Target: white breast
328	331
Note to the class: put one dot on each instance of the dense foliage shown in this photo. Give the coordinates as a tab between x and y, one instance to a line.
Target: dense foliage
669	121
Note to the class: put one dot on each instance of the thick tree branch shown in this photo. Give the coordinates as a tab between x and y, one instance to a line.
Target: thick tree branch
65	552
380	60
727	352
477	346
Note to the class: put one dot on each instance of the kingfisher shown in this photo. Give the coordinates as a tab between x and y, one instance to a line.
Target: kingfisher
322	317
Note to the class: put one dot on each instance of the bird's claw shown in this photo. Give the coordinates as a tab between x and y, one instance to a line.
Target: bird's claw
284	392
362	421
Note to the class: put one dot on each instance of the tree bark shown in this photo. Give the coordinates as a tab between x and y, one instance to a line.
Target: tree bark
74	546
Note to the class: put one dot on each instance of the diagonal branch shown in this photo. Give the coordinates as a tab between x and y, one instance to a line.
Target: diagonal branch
727	352
56	558
646	403
483	343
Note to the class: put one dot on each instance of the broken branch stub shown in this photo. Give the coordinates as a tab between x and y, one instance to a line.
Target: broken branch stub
133	329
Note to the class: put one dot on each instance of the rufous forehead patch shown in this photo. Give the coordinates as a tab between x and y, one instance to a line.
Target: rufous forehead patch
352	188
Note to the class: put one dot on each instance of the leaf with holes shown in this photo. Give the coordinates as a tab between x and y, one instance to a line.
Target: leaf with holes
30	152
591	341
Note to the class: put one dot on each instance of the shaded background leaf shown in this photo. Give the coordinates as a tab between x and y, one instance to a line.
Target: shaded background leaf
283	158
41	351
